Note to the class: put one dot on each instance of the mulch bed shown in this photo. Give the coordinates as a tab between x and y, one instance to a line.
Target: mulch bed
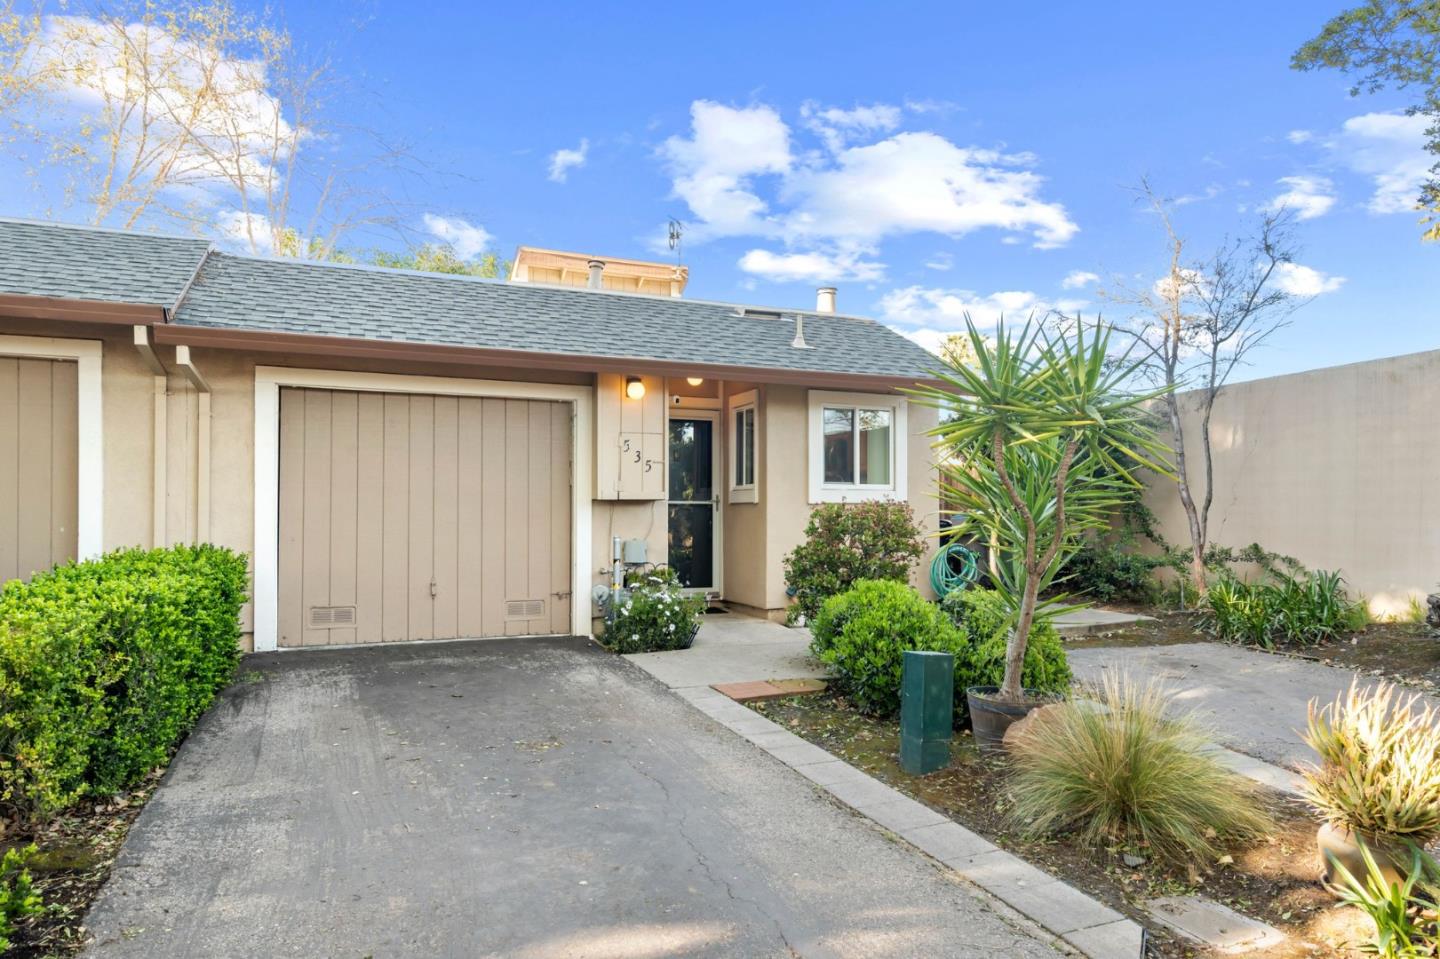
76	853
1275	880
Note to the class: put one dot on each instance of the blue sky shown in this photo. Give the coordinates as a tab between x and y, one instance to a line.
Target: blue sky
928	158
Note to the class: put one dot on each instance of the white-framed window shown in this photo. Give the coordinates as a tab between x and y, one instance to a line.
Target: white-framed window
857	446
744	429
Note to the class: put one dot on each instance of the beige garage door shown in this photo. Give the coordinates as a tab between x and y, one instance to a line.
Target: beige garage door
407	517
38	453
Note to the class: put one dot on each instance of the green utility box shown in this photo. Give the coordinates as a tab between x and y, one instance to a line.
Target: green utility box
927	711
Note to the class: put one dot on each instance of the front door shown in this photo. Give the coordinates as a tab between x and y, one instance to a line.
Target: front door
694	499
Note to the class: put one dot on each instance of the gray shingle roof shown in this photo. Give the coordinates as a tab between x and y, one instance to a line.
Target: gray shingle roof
293	296
86	263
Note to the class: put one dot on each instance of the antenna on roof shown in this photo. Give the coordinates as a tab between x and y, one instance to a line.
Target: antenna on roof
676	230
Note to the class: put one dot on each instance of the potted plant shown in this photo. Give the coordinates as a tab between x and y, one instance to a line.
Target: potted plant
1377	781
1039	440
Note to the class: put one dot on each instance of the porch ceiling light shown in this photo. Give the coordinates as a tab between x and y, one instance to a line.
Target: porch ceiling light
694	380
634	388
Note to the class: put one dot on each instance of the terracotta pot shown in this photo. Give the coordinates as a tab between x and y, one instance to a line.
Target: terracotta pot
991	716
1391	854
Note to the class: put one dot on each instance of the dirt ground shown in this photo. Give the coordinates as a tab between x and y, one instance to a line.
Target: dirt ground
1275	879
75	854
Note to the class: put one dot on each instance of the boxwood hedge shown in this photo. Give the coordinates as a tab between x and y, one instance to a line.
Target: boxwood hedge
105	664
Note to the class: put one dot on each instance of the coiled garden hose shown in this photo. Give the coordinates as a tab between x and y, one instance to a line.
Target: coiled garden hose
955	567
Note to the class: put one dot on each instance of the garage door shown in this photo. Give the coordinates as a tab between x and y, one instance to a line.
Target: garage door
410	517
38	452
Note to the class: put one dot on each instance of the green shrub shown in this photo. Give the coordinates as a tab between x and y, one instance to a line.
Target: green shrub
1406	914
1105	572
863	633
105	664
1379	770
1123	770
848	542
984	619
17	895
1304	608
658	615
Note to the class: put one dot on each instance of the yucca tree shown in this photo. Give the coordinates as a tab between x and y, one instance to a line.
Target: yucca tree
1041	441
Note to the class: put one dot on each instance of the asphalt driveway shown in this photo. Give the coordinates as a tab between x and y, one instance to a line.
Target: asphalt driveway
530	798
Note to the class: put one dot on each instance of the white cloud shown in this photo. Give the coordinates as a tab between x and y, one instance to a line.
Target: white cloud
815	267
248	231
1300	280
1307	196
1390	149
941	261
859	194
921	182
836	126
1299	136
919	308
467	239
236	132
714	166
1078	279
564	160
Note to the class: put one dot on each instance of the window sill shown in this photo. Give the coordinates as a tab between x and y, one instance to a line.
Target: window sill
855	494
745	494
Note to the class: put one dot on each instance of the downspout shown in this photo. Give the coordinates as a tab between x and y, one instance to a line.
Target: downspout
202	441
160	441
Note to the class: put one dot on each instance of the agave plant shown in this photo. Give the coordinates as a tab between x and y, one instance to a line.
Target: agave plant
1379	770
1039	439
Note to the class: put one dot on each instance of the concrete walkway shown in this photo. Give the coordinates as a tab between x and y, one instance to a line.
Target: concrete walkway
1095	621
1254	702
515	798
731	648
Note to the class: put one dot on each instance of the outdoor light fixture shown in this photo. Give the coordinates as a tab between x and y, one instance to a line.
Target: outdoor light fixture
634	388
694	380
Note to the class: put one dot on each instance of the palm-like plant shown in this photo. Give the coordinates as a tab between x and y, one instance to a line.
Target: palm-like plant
1040	441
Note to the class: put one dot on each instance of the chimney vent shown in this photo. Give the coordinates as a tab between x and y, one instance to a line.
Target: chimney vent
799	342
597	270
825	299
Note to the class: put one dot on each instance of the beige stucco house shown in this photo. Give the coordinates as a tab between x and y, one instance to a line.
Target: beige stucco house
412	456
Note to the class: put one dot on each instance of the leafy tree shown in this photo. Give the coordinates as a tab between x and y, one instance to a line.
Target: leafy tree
1389	43
1046	442
442	258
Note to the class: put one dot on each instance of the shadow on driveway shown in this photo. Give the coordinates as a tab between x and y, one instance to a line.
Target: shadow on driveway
529	798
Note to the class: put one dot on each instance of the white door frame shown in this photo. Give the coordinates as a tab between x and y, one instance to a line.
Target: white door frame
89	432
709	411
269	380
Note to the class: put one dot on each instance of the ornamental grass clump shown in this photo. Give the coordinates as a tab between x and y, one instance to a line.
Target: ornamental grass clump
1118	770
1379	770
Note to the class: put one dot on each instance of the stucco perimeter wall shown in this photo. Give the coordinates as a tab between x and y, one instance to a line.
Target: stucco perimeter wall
1338	467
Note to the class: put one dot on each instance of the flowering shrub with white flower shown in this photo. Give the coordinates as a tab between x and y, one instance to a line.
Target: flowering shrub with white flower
656	616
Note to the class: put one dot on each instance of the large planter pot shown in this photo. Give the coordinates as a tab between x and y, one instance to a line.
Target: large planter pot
991	716
1392	855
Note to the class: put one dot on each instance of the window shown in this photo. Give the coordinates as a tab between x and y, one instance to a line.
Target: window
857	446
744	442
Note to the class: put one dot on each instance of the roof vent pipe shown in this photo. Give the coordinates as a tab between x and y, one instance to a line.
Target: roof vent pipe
799	342
825	299
597	270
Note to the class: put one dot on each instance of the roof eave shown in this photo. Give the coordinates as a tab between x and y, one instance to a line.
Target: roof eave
26	307
308	344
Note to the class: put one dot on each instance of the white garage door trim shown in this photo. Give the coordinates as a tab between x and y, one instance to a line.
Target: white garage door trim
269	380
90	430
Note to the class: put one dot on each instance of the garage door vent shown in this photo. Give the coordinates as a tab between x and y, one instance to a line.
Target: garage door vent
524	608
326	617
